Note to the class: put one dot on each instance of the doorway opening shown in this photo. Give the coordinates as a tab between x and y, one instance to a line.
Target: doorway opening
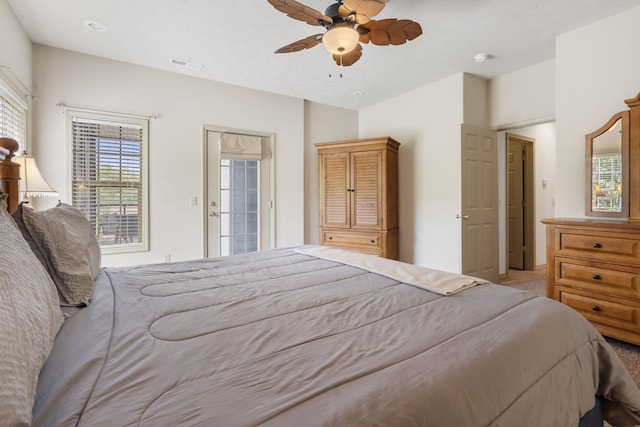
521	241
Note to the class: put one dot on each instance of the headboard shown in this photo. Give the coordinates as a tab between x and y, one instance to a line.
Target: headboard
9	173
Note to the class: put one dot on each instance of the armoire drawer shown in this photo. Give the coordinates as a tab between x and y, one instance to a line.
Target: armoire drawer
599	277
364	240
611	247
608	311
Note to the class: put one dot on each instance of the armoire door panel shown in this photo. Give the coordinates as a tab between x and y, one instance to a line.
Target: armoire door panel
367	190
336	197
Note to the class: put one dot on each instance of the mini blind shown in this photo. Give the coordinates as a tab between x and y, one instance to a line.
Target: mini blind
108	179
13	115
240	147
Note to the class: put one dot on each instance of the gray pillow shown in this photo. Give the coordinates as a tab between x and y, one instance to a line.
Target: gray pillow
30	318
65	244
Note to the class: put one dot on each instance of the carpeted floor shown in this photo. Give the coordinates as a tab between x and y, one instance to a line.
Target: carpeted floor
535	281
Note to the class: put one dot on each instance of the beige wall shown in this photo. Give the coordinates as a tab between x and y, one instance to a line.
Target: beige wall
183	106
322	124
426	122
15	46
476	101
523	97
15	57
597	69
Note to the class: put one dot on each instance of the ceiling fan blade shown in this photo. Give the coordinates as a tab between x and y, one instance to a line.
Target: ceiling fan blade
306	43
348	15
349	58
392	31
364	33
298	11
368	8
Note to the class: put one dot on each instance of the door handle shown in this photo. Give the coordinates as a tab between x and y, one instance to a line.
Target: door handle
212	213
458	216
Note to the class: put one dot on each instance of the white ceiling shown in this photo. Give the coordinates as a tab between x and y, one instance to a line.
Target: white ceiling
235	40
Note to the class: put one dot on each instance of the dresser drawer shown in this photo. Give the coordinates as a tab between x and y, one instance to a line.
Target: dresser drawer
600	277
610	311
361	242
613	247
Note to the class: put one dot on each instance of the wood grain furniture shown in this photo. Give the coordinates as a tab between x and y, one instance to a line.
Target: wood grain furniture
296	339
593	265
358	193
10	173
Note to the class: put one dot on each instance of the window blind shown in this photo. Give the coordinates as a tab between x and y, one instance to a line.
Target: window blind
108	179
240	147
13	115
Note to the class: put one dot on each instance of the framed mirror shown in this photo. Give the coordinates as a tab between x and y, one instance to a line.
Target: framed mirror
607	169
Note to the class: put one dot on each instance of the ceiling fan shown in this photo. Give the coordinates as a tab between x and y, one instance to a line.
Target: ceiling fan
348	23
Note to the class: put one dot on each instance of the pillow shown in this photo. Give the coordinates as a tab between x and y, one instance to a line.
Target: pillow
68	248
30	318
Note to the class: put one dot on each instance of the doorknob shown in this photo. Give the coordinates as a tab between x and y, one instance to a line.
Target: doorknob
458	216
212	213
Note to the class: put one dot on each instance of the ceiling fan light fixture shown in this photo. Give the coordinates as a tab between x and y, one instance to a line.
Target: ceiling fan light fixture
340	40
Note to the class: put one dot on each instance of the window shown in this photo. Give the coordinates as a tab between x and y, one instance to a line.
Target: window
607	182
109	177
239	201
13	115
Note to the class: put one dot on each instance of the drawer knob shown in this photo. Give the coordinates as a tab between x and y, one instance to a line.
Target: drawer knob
595	308
596	277
597	245
330	237
373	241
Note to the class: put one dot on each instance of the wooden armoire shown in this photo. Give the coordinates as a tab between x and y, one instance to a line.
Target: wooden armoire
358	190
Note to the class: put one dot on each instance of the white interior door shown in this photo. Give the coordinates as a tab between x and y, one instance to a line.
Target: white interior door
239	205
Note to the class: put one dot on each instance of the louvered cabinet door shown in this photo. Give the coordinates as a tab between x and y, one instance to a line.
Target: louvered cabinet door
366	190
334	190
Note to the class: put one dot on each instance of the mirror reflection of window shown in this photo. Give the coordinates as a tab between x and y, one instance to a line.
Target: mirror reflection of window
606	193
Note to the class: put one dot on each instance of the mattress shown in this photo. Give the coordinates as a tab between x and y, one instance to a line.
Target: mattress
281	338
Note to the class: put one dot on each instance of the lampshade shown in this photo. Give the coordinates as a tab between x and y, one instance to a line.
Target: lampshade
599	192
32	184
340	40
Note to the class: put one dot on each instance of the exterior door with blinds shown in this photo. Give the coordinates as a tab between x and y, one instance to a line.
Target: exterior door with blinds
108	177
239	208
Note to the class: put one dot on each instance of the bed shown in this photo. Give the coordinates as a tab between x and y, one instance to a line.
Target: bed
305	336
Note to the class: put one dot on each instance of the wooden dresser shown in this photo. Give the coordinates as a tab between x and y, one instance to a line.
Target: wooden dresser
593	266
358	192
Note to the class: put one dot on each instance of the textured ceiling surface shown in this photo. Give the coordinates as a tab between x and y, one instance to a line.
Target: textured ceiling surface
234	41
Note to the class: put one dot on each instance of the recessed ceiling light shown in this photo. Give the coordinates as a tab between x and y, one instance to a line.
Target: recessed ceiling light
481	57
95	26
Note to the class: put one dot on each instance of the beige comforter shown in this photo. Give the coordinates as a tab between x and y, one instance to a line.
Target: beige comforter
280	338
